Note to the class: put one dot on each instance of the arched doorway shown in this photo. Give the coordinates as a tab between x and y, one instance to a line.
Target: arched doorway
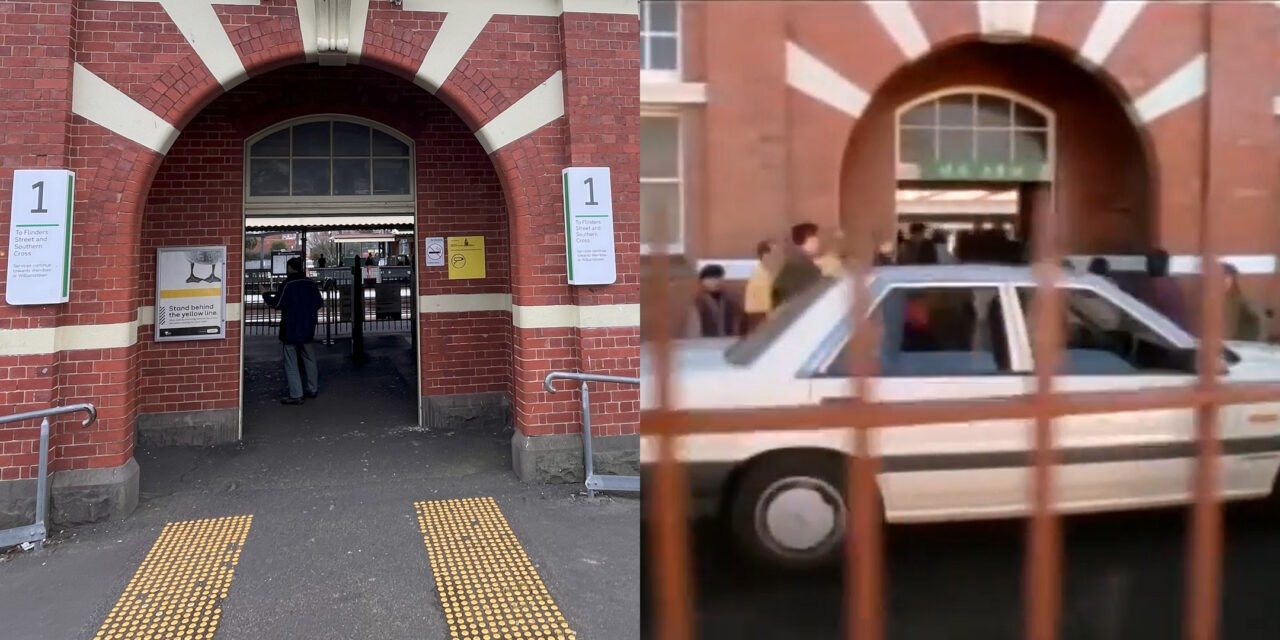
980	134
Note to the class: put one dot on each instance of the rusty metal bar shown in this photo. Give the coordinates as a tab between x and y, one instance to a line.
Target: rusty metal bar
957	412
1042	568
1204	570
668	510
864	590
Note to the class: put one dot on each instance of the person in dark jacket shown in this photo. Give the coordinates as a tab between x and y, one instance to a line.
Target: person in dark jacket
1243	322
716	313
800	269
1161	292
298	300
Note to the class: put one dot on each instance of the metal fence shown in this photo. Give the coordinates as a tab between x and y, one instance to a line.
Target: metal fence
667	501
388	305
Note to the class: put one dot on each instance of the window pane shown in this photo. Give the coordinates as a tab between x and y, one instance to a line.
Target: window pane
955	145
1030	146
922	115
660	213
661	16
659	147
351	177
269	177
1101	338
942	331
385	145
994	146
350	139
311	177
956	111
1028	118
276	144
994	111
662	53
917	145
311	139
391	177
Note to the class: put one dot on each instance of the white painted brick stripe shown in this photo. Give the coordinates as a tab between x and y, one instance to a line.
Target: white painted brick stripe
1113	21
457	32
206	35
25	342
1179	88
899	21
358	18
541	105
814	78
1007	17
97	101
526	7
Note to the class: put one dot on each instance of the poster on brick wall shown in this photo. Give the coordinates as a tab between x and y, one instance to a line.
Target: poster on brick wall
588	226
39	269
191	293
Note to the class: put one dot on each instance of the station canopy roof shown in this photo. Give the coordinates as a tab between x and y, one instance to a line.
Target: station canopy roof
326	221
966	202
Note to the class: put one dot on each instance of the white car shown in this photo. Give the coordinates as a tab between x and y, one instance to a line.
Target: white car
952	332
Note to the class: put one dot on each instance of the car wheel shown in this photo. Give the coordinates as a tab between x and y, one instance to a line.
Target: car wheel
790	512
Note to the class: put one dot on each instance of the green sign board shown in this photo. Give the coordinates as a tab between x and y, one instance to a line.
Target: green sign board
983	171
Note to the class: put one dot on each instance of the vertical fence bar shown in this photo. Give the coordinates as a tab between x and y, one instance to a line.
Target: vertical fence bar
1204	571
863	562
668	510
1042	581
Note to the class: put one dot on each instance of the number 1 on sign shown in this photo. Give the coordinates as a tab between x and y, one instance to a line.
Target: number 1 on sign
591	192
39	187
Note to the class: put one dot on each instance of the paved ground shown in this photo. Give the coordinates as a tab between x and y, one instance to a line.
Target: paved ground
334	549
1124	580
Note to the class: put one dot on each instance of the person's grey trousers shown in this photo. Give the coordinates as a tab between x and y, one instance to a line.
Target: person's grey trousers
308	353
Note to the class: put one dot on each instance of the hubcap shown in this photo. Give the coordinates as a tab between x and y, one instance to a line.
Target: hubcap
800	517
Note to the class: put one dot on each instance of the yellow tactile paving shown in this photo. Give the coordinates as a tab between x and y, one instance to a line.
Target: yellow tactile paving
488	586
178	591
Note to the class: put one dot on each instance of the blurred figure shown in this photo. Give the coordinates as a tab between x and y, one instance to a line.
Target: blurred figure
885	253
758	298
800	270
914	244
1160	291
831	262
1243	322
1100	266
939	241
715	313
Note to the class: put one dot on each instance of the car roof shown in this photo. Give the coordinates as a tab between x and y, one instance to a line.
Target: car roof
975	274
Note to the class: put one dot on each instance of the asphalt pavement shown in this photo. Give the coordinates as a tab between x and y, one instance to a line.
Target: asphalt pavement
334	549
1123	579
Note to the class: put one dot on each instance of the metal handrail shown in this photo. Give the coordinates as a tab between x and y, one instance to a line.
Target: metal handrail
594	482
37	532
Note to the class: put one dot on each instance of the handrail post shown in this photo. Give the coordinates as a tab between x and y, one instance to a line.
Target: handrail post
42	484
588	464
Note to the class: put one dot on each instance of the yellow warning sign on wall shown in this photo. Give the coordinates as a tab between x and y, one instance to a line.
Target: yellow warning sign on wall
466	257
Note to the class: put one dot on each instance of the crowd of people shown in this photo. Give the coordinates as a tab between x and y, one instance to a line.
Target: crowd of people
781	272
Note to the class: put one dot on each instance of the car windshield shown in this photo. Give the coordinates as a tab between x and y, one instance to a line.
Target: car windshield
750	347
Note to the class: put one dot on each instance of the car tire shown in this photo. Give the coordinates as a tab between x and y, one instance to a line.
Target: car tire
790	512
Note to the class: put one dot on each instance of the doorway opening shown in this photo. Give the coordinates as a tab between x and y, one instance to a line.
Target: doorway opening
337	195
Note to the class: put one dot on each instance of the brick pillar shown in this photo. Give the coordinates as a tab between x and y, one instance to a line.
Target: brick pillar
602	122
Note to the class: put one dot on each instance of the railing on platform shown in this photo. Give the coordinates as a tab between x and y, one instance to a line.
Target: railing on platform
37	533
595	482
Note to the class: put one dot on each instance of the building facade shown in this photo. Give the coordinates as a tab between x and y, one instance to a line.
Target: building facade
170	115
1120	116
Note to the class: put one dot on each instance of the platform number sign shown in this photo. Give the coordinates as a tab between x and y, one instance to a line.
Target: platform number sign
40	221
588	221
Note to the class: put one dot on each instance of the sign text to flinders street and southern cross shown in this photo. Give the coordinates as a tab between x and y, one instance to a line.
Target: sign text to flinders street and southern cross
40	237
588	226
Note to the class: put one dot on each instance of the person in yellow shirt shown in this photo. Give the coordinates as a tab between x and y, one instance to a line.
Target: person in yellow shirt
831	263
758	296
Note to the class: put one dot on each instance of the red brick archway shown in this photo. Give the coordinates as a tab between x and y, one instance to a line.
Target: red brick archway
1105	178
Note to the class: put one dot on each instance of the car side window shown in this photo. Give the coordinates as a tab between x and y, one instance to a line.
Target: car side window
937	331
1102	338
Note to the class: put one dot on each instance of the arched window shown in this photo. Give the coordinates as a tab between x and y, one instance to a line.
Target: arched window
980	135
330	163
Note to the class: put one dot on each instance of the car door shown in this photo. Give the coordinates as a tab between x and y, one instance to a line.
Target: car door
964	351
1123	459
